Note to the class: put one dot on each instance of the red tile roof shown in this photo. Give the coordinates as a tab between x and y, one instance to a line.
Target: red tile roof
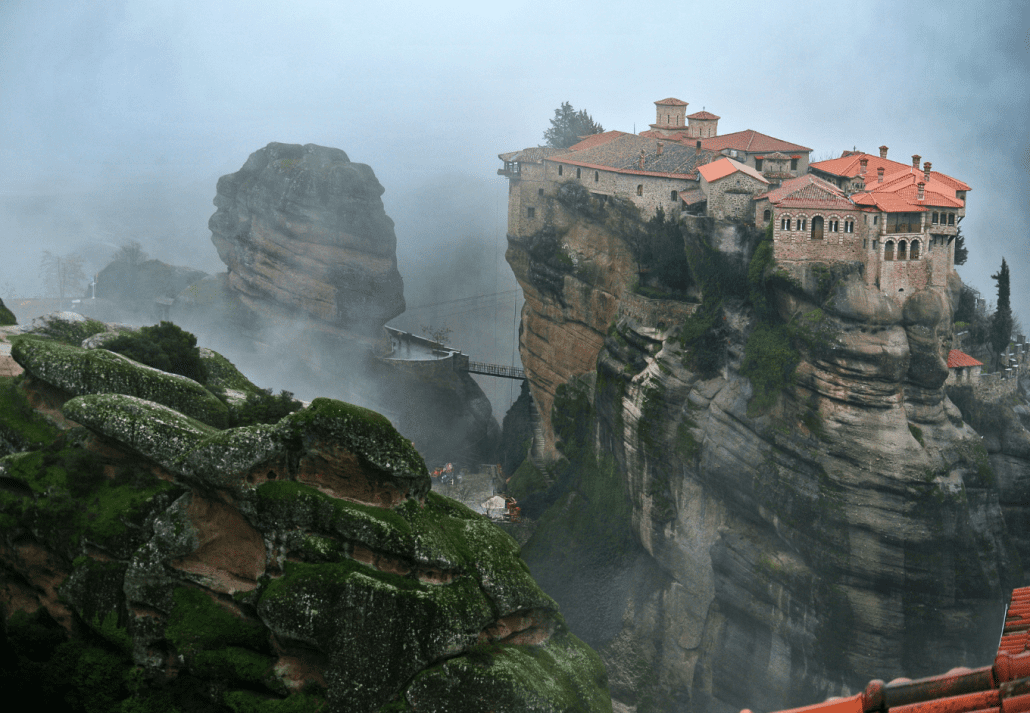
751	141
692	196
706	115
671	101
808	191
849	166
597	140
957	358
887	202
1002	688
724	167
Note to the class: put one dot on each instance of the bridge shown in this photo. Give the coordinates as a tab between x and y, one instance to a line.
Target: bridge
505	372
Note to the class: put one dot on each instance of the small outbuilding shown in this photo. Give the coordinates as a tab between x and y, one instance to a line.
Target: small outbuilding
962	368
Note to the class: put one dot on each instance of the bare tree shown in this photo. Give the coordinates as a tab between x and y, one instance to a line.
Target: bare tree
61	274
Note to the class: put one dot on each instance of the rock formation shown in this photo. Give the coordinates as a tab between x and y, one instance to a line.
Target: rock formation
303	232
151	557
800	508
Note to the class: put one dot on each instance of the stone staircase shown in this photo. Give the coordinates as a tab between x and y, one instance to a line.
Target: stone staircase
536	448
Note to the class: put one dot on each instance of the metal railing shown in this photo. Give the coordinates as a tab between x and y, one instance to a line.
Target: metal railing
505	372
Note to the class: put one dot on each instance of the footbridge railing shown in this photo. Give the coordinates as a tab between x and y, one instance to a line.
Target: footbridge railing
505	372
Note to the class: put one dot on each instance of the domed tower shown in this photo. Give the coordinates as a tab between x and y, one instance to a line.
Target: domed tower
703	125
670	116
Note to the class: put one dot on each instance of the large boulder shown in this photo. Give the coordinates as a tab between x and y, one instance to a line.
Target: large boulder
302	230
275	567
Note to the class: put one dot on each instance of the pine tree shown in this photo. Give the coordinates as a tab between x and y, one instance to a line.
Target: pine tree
961	252
1001	323
568	125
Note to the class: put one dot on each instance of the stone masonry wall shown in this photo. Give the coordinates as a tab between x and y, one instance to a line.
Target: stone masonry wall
655	191
731	197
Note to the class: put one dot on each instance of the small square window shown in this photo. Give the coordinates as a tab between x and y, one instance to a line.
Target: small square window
539	191
640	189
793	164
951	218
530	212
560	170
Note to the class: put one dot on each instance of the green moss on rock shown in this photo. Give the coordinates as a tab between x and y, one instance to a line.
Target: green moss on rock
222	373
7	317
95	371
22	427
158	432
196	623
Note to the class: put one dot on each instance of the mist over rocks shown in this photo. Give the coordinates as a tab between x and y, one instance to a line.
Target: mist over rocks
303	232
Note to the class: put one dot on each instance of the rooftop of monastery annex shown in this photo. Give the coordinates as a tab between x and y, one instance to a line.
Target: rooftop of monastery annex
898	219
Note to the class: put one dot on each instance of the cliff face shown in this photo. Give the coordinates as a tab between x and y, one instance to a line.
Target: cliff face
805	508
153	559
303	231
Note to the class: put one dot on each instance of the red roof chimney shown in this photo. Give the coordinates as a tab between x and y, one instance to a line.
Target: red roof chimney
659	149
922	186
926	171
863	164
879	175
915	161
883	152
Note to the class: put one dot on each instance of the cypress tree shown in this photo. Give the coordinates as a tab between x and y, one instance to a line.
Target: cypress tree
1001	323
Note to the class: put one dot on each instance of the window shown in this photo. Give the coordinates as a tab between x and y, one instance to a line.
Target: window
902	250
766	215
951	218
865	243
934	219
784	223
817	228
674	195
888	250
640	189
758	164
833	226
913	252
849	226
597	176
530	212
559	170
793	164
876	219
577	173
539	191
802	222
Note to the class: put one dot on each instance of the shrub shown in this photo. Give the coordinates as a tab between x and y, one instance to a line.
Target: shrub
262	407
769	361
164	346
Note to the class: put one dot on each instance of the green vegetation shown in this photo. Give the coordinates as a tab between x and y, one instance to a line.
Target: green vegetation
21	426
659	250
526	480
568	125
917	433
198	623
7	317
223	374
164	346
1002	321
261	406
769	362
68	332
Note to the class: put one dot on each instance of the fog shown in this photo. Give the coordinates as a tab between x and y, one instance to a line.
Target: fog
119	117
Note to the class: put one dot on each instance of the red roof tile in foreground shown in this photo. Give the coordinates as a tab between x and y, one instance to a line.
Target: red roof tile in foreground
671	101
808	191
1001	688
705	115
888	202
751	141
957	358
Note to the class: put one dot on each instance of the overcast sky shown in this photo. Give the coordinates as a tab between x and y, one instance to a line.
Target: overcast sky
119	117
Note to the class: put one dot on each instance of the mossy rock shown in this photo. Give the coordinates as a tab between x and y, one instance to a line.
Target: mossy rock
222	373
21	427
155	431
96	371
562	675
68	328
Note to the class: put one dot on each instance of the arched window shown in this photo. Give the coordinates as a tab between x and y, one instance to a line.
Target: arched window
802	222
888	250
784	223
674	195
901	250
559	170
640	189
817	228
766	215
913	253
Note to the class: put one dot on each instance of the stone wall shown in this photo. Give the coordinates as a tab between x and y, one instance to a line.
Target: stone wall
646	191
731	197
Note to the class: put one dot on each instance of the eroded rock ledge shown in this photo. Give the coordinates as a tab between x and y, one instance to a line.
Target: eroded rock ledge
305	560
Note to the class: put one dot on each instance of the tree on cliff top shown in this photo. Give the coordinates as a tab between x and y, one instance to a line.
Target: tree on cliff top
1001	323
568	125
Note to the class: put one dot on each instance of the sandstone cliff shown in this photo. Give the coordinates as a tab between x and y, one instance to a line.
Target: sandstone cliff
798	507
151	559
303	232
